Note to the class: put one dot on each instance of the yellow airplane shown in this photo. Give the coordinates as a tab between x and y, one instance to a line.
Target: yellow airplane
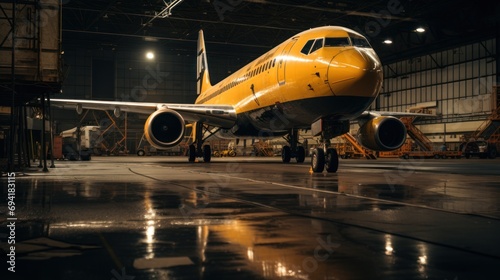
320	79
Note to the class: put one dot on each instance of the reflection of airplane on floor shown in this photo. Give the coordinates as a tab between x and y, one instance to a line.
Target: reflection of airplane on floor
319	79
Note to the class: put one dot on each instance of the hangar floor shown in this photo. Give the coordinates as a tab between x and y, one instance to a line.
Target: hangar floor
253	218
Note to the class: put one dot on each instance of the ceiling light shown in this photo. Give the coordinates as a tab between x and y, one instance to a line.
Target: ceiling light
388	41
150	55
420	30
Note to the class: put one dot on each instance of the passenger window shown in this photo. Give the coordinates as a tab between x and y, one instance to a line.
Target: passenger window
307	47
318	44
337	42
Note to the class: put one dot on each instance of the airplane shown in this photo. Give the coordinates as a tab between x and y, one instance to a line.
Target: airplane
318	80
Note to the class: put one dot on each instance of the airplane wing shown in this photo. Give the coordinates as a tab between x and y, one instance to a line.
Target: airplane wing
217	115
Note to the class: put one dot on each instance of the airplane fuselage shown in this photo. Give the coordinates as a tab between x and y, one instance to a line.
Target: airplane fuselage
322	72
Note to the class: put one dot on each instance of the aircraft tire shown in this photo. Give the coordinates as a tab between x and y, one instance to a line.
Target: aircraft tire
286	154
192	153
141	152
318	160
331	160
301	154
207	153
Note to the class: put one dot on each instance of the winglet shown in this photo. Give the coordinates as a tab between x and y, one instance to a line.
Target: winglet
203	78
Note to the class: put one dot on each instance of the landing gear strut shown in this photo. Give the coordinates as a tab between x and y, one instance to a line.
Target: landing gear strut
197	149
324	157
294	150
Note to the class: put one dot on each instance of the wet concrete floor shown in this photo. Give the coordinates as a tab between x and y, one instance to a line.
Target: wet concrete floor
253	218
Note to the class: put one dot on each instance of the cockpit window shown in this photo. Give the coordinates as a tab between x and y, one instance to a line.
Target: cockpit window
318	44
337	42
358	41
307	47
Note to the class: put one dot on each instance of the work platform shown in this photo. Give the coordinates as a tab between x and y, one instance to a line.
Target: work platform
30	72
255	218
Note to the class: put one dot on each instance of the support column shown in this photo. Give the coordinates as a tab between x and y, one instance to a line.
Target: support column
51	132
497	41
498	52
12	134
26	137
44	135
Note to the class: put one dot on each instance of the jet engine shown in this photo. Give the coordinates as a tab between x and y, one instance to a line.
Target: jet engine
164	129
382	133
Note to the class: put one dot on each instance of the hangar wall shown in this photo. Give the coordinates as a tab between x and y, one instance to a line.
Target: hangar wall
458	81
166	79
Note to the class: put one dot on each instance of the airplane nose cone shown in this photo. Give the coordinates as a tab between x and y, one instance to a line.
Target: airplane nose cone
355	72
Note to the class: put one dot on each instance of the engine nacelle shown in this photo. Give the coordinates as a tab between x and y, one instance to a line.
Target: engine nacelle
382	134
164	129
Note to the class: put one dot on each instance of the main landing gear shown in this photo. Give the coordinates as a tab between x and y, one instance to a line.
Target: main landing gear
294	150
197	149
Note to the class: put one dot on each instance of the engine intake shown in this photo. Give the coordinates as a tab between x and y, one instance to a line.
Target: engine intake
382	134
164	129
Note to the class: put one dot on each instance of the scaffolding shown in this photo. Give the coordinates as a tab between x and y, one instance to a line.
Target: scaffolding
419	146
489	130
30	64
113	132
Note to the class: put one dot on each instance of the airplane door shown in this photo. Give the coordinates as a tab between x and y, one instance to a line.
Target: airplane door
282	61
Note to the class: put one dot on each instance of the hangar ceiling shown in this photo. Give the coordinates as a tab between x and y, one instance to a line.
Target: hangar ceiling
258	25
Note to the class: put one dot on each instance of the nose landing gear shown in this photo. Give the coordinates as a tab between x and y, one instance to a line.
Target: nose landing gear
323	157
321	160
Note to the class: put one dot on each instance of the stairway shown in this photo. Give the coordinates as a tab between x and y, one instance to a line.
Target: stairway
489	127
263	149
357	147
420	139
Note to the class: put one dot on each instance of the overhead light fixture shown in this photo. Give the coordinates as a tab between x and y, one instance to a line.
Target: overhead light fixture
150	55
150	39
388	41
420	30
